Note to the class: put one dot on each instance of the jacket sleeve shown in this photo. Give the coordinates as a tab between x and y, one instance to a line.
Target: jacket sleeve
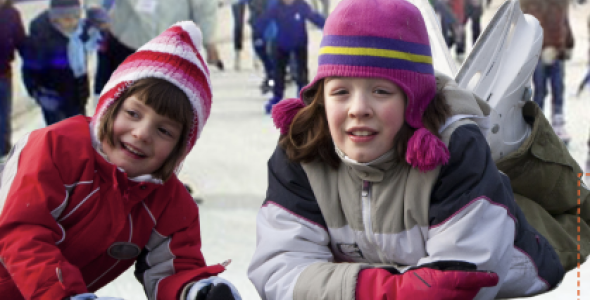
472	209
292	239
33	60
313	16
19	35
30	198
172	259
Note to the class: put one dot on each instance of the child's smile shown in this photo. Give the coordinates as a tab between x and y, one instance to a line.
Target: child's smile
143	139
133	152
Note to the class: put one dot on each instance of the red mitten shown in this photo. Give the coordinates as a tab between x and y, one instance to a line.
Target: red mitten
440	280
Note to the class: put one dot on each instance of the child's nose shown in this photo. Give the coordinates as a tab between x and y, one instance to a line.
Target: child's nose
360	106
142	133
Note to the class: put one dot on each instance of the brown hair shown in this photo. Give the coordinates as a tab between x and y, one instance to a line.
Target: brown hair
309	135
167	100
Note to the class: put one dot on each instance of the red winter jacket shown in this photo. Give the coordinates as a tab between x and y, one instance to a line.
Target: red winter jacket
71	222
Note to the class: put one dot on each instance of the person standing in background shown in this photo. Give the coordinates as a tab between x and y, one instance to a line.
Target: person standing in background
51	74
290	17
473	12
238	10
12	38
558	42
263	39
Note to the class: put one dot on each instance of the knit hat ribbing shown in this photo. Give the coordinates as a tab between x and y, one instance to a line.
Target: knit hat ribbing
381	39
59	8
174	57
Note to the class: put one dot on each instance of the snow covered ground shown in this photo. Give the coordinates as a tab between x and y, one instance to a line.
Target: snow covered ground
228	164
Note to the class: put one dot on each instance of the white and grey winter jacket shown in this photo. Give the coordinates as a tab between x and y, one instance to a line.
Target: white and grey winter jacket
320	226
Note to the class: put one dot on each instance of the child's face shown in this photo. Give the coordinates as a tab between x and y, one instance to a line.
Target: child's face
143	139
364	115
67	23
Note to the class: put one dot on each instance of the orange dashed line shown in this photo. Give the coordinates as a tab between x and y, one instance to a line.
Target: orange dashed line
579	213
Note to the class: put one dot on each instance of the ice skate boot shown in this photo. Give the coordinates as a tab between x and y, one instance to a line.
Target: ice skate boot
266	85
558	124
499	70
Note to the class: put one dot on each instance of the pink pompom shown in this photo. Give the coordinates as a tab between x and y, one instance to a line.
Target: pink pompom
284	112
426	151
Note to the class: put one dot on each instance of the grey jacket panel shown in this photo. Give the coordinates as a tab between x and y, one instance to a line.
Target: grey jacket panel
328	281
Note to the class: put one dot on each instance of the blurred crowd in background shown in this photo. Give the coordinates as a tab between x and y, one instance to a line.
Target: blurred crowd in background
56	45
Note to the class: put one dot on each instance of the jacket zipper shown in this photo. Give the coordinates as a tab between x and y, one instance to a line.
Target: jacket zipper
367	222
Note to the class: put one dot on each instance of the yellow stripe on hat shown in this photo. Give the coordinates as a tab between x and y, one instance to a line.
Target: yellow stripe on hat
376	52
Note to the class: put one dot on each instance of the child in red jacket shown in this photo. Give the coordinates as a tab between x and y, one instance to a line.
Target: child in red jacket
84	199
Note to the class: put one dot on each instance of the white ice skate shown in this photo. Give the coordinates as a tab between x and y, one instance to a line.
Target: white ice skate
498	69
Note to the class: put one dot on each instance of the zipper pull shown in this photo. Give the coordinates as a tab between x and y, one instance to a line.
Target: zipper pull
366	188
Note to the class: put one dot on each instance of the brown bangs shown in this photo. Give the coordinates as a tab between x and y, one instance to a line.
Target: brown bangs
164	97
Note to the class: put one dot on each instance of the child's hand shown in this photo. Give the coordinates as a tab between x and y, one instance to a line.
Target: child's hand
441	280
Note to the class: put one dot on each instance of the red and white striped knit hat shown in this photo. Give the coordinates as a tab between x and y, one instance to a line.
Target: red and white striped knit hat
173	56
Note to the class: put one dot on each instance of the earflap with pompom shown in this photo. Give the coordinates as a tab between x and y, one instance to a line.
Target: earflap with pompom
284	112
426	151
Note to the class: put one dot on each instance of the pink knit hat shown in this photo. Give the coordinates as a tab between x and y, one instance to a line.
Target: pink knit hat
379	39
174	57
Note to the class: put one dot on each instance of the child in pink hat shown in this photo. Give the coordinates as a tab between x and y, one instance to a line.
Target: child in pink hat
383	186
86	198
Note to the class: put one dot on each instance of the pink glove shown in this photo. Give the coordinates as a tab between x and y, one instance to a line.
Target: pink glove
441	280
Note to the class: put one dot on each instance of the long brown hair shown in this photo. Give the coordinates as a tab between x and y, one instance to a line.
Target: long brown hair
309	134
167	100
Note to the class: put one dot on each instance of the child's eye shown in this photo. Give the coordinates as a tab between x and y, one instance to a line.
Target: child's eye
382	92
166	132
132	113
340	92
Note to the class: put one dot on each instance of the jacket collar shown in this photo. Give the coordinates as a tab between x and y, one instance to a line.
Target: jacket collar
372	171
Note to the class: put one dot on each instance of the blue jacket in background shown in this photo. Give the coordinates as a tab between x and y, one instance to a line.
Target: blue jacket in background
290	22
